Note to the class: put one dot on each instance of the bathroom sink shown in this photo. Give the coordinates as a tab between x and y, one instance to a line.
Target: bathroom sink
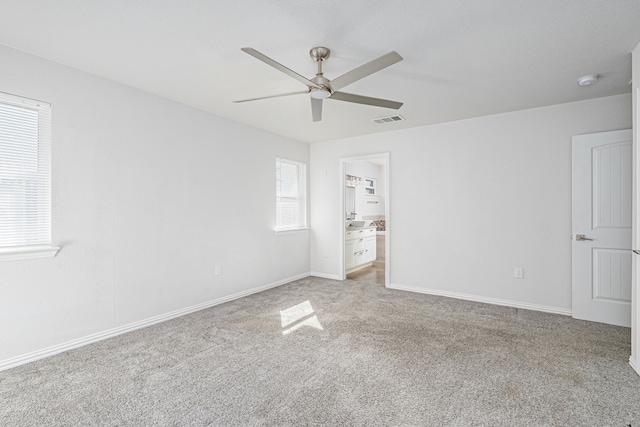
360	223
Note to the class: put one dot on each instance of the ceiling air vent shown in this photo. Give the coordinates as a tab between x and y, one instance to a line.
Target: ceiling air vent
388	119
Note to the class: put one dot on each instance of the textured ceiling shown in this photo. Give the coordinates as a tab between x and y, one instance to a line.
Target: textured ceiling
462	58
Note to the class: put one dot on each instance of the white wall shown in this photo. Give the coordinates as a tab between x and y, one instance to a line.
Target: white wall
635	294
148	195
471	200
364	169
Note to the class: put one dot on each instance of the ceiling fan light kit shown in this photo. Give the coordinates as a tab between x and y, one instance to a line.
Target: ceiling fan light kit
319	93
319	87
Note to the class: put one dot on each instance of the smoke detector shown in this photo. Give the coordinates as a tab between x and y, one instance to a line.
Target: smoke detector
588	80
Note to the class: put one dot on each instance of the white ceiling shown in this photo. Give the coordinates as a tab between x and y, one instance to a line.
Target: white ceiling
462	58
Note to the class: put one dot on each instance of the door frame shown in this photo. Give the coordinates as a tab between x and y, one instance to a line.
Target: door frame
341	203
634	359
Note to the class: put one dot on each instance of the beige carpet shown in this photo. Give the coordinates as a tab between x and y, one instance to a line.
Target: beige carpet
321	352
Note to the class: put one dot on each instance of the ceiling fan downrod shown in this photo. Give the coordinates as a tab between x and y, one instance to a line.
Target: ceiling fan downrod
320	54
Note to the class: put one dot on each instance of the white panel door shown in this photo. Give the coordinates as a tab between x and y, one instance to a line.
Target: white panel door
601	247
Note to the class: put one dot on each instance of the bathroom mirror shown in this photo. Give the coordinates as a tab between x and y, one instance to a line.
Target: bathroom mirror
350	203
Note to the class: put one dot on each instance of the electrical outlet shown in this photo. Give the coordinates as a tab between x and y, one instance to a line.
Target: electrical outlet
519	273
217	270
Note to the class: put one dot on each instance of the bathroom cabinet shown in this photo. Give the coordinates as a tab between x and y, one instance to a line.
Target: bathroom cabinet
360	248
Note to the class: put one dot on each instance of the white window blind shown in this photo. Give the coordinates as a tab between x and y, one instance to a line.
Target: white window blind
25	173
290	194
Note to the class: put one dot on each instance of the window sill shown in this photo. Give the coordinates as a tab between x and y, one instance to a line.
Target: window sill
292	230
28	253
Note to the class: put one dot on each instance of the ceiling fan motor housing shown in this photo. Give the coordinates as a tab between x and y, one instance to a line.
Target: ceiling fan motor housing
324	91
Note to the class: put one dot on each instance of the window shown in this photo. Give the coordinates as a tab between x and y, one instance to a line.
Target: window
291	188
370	186
25	179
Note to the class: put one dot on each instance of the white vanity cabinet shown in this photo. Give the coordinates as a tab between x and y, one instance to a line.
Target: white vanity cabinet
360	248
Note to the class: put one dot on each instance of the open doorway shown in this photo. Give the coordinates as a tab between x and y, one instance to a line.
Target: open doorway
365	210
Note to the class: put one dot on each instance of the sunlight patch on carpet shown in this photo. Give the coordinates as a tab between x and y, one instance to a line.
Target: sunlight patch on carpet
299	315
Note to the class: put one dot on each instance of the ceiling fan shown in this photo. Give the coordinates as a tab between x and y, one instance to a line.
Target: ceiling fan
320	87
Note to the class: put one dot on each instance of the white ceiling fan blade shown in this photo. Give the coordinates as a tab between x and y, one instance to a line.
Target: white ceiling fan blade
316	109
272	96
365	70
359	99
251	51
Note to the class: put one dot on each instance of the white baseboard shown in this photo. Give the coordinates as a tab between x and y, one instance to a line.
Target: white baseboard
495	301
634	365
109	333
325	276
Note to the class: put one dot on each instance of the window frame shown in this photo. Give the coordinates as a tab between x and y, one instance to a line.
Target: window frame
300	198
43	247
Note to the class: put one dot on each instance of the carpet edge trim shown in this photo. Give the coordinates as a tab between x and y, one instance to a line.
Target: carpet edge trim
486	300
109	333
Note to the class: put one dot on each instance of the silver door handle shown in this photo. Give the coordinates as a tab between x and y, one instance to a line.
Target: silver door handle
581	237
